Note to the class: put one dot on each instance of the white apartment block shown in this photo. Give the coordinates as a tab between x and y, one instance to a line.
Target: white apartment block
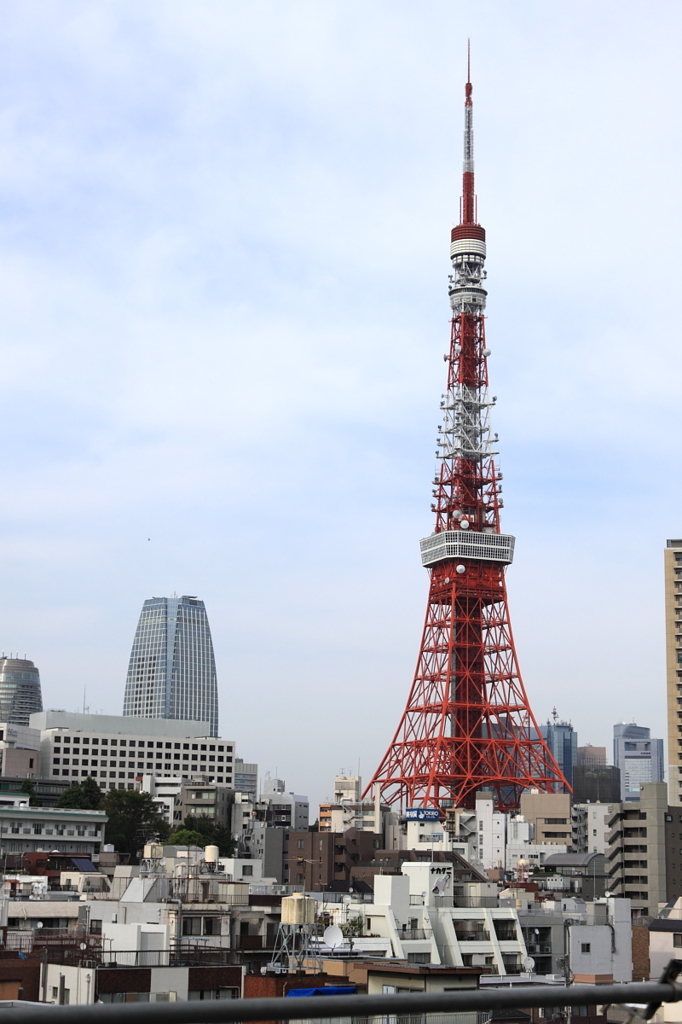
413	912
595	818
491	832
165	793
117	750
432	835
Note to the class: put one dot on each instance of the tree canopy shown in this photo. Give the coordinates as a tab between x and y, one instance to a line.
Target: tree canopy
29	786
212	834
187	837
84	796
133	821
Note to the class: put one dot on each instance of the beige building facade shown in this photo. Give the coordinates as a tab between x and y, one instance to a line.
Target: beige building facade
672	561
550	816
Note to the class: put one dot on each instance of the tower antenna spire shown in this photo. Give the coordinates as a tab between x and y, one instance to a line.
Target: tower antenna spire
468	211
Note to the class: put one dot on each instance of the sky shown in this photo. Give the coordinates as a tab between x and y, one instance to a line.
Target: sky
224	238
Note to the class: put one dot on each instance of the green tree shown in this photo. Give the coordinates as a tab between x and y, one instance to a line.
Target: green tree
212	833
29	786
84	796
133	821
186	837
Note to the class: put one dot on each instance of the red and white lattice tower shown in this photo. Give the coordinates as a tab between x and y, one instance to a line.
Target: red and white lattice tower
468	724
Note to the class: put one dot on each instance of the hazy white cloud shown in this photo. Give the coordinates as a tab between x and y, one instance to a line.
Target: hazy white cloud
223	257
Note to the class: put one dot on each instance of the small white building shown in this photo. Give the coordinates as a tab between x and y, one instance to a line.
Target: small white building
165	794
533	854
289	810
433	835
491	832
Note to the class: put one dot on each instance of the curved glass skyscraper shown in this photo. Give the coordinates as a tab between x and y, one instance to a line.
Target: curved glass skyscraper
172	669
20	692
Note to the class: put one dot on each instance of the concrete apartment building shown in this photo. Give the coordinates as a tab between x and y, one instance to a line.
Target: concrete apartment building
595	937
201	798
672	572
591	826
636	853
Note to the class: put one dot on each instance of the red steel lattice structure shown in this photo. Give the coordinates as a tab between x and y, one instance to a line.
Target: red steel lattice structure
468	724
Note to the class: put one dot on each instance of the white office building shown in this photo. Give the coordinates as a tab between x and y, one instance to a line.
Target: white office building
117	750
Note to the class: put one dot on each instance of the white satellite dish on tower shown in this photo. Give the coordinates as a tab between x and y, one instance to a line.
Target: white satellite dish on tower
528	964
333	936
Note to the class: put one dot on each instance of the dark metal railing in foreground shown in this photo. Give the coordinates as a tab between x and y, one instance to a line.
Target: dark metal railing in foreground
232	1011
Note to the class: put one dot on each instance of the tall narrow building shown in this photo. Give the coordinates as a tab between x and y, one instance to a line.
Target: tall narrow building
562	740
672	568
172	668
638	755
20	694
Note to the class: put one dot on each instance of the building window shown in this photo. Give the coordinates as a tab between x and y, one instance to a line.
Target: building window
677	939
585	947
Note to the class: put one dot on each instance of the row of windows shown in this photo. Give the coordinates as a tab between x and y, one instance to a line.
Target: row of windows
122	764
140	743
38	829
132	775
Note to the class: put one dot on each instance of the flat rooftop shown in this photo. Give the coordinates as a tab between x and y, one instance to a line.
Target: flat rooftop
125	725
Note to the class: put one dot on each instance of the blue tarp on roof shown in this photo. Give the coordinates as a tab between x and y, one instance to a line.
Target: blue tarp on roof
83	864
325	990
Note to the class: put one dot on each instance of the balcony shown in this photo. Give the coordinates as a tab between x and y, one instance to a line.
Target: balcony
248	942
472	936
408	934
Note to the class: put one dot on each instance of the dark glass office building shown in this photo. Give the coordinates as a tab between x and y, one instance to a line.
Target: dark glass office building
20	694
172	673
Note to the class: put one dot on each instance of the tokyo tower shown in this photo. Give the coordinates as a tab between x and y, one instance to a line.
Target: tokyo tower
468	724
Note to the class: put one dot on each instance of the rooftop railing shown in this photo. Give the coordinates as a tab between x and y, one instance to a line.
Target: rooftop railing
403	1007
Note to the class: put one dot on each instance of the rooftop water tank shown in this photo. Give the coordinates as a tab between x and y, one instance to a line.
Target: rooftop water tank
298	909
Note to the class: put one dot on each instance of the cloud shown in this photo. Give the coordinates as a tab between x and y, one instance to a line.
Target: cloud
223	256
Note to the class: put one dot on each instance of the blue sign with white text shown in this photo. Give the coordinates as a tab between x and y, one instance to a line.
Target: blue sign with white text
422	814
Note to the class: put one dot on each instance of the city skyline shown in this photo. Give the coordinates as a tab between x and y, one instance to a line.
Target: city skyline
221	263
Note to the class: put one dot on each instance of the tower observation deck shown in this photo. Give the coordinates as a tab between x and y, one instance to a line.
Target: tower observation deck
467	725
